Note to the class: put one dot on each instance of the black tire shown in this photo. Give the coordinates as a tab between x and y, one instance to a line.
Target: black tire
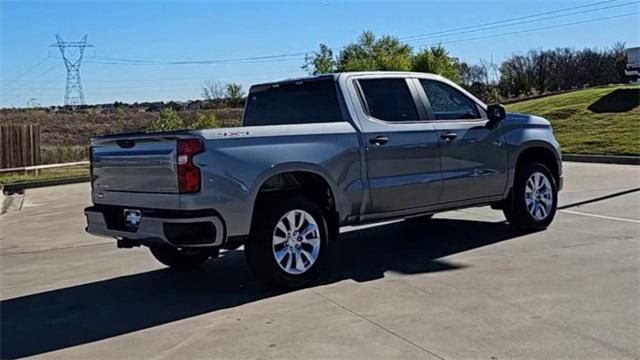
515	209
187	258
260	250
422	219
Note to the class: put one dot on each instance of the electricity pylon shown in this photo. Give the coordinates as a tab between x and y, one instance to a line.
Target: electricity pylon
72	52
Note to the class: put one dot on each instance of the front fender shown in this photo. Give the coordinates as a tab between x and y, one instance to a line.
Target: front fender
523	135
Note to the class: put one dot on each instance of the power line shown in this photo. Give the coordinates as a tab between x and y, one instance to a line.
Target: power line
531	30
33	67
525	22
193	63
12	90
252	59
144	90
196	81
509	19
185	80
34	89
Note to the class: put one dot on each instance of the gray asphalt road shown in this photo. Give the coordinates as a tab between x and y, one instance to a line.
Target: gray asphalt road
464	286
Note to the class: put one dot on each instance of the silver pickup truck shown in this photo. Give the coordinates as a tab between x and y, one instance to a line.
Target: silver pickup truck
315	154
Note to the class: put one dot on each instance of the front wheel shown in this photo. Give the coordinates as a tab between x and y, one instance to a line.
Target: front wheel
534	198
288	242
184	258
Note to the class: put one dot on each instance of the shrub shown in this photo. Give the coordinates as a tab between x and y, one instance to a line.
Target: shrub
205	121
64	153
168	120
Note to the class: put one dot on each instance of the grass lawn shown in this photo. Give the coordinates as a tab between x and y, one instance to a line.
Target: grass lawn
600	120
47	174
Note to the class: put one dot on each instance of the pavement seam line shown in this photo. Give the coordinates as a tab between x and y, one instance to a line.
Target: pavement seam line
53	249
600	198
600	216
389	331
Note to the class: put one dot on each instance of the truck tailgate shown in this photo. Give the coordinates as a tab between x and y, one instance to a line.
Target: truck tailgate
130	164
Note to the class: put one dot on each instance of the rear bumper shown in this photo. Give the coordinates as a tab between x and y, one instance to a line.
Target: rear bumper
161	227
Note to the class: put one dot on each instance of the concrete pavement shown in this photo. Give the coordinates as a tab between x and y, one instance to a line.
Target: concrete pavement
463	286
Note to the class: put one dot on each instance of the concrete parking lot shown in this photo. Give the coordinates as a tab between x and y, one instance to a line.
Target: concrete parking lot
463	286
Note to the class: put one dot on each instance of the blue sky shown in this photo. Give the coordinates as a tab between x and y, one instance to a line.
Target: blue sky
209	30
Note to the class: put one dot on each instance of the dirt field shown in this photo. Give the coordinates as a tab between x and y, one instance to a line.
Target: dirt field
65	127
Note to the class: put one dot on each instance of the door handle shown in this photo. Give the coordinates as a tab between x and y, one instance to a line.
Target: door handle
448	136
379	140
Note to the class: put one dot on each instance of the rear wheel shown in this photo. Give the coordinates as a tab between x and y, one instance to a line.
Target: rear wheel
184	258
533	200
288	242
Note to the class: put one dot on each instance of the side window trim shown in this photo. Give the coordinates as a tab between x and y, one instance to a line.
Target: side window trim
363	101
417	99
414	90
424	100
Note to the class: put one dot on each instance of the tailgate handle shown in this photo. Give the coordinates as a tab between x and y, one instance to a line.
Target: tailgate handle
126	144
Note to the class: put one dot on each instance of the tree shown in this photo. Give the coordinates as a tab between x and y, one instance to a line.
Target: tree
234	93
515	76
213	92
321	62
436	60
369	54
619	54
472	74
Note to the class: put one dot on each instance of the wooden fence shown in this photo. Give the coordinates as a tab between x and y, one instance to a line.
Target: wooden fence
19	145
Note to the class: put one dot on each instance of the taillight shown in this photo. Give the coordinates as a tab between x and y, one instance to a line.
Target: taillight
188	173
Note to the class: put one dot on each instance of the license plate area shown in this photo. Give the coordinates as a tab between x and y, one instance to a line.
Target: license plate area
132	219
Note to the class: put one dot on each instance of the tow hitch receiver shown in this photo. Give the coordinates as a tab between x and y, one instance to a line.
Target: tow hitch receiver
127	243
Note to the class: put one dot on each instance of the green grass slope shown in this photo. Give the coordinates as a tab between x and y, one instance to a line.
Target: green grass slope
600	120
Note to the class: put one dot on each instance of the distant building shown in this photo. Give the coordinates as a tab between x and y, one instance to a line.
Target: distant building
633	62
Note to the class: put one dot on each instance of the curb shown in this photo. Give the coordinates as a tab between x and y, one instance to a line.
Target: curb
602	159
36	184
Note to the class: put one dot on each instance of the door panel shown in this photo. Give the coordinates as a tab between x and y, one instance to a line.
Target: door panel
473	163
405	172
402	151
473	159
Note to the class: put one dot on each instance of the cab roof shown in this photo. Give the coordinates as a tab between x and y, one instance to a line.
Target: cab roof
335	76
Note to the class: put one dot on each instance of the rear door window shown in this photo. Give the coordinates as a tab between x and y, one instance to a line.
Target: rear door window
447	103
293	103
388	99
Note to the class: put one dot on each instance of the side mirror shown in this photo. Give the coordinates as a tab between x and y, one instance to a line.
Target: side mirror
496	113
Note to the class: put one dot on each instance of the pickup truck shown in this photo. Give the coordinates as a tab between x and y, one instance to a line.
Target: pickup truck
314	154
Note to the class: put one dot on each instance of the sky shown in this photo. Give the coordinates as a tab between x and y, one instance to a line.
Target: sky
124	33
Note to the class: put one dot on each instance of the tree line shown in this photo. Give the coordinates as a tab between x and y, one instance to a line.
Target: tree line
218	95
536	72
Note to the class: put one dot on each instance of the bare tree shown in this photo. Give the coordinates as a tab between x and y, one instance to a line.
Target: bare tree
234	94
214	92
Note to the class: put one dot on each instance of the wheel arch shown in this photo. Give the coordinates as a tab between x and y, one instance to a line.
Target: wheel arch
542	152
309	179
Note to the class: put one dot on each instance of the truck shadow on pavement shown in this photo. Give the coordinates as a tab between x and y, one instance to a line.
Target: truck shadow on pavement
76	315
